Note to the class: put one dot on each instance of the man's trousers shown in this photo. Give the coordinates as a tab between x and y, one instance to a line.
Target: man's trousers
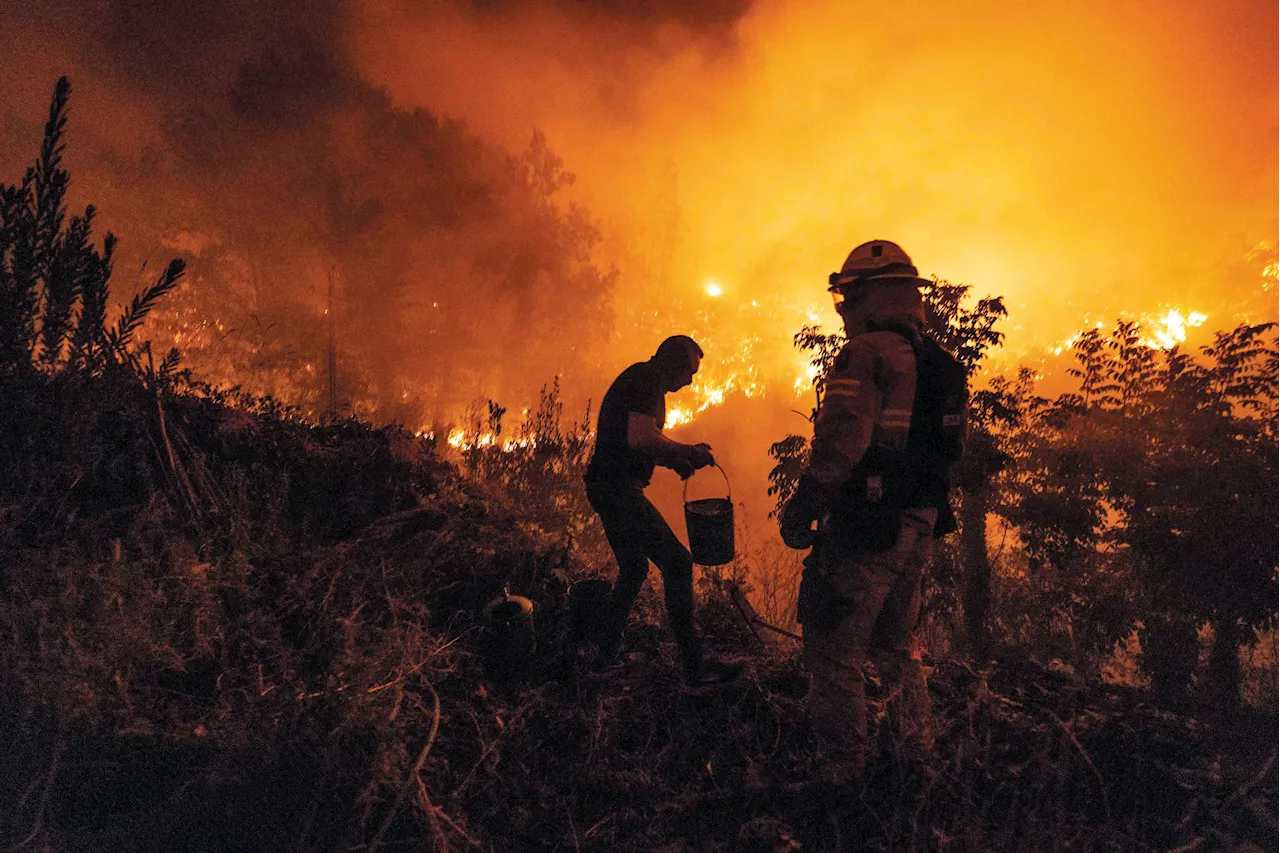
638	534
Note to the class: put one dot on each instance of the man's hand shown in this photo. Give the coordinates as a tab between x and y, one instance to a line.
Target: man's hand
701	456
797	525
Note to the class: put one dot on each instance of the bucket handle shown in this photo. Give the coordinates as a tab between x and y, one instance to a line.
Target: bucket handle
722	474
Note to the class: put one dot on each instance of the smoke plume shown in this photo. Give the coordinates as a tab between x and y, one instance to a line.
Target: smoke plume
1082	162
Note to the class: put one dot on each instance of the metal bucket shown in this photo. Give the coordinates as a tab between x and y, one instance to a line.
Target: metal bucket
588	605
710	525
510	640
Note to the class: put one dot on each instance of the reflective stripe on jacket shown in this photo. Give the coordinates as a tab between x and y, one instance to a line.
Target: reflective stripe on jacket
868	401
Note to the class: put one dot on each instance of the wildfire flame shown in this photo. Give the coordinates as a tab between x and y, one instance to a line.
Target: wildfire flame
733	370
805	380
711	393
1062	346
677	416
1266	252
1170	330
748	354
459	439
1163	331
1270	275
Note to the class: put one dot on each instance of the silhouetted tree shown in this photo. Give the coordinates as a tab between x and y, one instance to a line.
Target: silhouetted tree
53	283
1149	494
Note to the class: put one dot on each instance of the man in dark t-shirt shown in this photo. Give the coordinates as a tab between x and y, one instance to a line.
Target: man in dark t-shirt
629	444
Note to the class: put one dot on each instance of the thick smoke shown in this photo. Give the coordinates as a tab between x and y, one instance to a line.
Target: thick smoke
636	19
1081	162
238	134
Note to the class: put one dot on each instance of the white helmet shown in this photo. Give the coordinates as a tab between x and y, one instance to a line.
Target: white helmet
878	260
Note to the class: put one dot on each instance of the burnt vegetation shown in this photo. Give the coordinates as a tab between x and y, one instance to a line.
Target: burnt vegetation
225	627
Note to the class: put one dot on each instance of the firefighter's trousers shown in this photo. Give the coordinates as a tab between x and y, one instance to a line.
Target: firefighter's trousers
877	599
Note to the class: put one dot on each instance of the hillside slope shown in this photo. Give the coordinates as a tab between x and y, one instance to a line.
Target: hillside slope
243	632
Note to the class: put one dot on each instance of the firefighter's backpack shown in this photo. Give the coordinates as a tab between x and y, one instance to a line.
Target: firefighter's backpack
867	516
936	438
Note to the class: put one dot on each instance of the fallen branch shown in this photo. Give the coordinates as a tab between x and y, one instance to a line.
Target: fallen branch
486	752
434	812
44	797
748	615
430	809
413	774
1102	785
1252	783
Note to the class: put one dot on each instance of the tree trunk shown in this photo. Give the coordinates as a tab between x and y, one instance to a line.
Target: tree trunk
1224	663
977	571
1170	647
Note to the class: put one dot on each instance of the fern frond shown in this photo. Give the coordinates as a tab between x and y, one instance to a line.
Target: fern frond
142	304
48	183
71	266
169	365
87	341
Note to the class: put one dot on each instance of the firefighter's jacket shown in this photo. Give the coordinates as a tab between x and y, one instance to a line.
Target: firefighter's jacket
868	401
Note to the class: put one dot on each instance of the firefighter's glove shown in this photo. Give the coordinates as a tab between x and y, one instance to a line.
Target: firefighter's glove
797	527
806	506
700	456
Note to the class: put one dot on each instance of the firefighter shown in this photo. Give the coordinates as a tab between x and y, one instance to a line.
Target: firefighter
887	430
629	444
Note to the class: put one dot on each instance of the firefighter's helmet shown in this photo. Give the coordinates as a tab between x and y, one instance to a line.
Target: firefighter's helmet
876	260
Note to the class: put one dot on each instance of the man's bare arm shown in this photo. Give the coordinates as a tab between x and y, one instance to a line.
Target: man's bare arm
643	434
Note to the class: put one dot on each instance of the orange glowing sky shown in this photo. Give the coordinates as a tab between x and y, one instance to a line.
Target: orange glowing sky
1082	161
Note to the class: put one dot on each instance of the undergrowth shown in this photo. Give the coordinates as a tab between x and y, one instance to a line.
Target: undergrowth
305	669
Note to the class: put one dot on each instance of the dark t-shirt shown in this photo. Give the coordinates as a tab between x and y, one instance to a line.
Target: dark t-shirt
637	389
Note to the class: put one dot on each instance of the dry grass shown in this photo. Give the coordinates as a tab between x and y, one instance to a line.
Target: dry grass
258	681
